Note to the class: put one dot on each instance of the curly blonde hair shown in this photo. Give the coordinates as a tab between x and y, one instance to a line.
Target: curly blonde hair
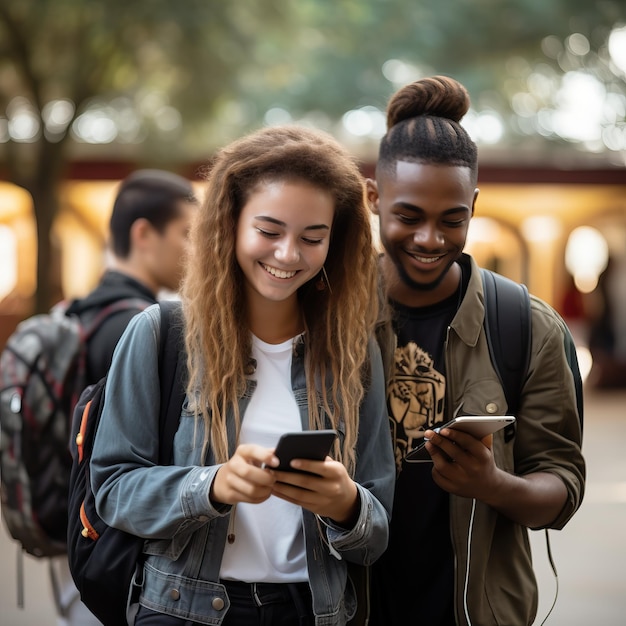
338	321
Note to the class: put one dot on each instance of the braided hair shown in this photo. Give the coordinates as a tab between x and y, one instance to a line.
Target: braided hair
423	126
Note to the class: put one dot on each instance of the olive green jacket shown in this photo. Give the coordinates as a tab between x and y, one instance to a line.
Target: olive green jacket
499	587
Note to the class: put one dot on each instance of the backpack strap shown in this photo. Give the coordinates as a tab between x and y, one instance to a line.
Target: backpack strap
572	359
172	374
508	332
123	304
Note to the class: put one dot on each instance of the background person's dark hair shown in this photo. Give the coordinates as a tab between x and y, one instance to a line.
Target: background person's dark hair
150	194
423	126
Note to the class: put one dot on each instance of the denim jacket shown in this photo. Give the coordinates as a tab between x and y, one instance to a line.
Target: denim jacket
169	505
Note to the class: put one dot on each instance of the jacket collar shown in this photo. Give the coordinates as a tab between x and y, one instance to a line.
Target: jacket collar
468	321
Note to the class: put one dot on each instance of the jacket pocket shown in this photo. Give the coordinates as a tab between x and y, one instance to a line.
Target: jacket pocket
170	548
482	397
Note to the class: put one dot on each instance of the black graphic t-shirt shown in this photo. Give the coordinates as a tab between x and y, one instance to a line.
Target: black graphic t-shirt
413	582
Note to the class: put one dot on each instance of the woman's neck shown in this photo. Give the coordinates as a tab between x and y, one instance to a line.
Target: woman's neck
276	322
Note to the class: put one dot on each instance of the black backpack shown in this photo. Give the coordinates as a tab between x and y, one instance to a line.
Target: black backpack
508	330
102	559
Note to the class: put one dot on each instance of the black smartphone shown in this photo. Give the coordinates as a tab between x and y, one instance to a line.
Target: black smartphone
308	444
477	425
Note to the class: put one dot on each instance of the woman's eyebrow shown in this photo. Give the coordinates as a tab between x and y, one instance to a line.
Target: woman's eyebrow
273	220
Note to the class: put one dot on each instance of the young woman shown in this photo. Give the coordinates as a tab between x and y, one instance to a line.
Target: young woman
278	313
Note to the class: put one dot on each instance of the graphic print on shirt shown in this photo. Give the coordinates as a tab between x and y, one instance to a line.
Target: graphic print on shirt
415	398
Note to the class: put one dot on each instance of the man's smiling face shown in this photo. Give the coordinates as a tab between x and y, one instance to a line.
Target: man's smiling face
424	213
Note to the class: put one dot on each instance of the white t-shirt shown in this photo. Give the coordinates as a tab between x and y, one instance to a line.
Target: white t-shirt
269	539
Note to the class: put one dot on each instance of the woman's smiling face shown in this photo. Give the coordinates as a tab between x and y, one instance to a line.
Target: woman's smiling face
283	235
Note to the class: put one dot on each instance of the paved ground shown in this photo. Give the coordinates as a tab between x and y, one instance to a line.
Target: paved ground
590	553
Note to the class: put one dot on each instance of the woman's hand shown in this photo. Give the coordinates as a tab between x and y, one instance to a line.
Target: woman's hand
327	490
242	478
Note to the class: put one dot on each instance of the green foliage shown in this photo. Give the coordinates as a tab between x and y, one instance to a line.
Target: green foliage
187	52
222	65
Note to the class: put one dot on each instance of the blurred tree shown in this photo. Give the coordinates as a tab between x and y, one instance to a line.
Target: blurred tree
169	82
133	63
334	60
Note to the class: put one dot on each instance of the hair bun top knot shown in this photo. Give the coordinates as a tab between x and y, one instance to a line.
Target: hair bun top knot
438	96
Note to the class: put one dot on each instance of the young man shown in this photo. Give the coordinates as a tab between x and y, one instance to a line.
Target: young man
148	233
458	552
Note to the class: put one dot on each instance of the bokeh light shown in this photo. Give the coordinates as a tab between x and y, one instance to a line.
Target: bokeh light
586	257
8	260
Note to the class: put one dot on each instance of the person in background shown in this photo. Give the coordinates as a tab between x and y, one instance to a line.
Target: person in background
573	309
458	551
278	323
147	237
605	307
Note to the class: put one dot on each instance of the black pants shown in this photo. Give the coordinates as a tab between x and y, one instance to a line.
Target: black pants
251	604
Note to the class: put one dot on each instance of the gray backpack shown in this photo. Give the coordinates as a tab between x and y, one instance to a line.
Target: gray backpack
42	373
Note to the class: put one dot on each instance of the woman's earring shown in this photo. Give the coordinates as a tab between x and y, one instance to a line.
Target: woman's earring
323	282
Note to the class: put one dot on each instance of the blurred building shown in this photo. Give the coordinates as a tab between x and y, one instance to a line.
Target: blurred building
552	229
